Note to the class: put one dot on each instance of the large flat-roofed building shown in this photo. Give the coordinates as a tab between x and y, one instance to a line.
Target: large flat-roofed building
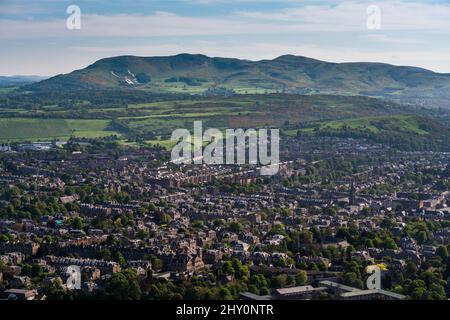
337	288
302	292
376	294
253	297
19	294
343	292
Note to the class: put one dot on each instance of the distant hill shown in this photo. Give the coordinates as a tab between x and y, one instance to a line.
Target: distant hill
12	81
291	74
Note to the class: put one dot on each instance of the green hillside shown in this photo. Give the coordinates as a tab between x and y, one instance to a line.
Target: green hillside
31	117
48	116
408	132
197	74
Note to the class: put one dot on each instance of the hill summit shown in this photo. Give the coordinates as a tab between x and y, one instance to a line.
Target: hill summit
195	73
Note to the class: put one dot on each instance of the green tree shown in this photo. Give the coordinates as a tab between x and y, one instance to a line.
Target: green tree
124	286
36	270
227	268
279	281
301	278
442	252
77	223
422	237
241	271
118	257
235	227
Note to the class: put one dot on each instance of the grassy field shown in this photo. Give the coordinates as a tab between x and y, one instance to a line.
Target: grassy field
7	89
166	144
153	122
378	124
169	144
22	129
375	125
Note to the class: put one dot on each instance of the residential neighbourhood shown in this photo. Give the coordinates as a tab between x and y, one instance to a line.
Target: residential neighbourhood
225	231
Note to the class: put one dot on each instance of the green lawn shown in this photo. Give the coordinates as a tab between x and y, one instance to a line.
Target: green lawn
21	129
166	144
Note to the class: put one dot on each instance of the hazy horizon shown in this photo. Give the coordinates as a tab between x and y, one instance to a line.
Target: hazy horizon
254	60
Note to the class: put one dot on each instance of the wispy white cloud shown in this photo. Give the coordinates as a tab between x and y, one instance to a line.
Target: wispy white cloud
395	15
346	16
20	9
413	33
129	25
383	38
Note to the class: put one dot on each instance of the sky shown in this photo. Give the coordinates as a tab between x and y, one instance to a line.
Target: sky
35	38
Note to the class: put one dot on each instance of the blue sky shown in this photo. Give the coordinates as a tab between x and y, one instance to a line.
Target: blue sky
34	38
